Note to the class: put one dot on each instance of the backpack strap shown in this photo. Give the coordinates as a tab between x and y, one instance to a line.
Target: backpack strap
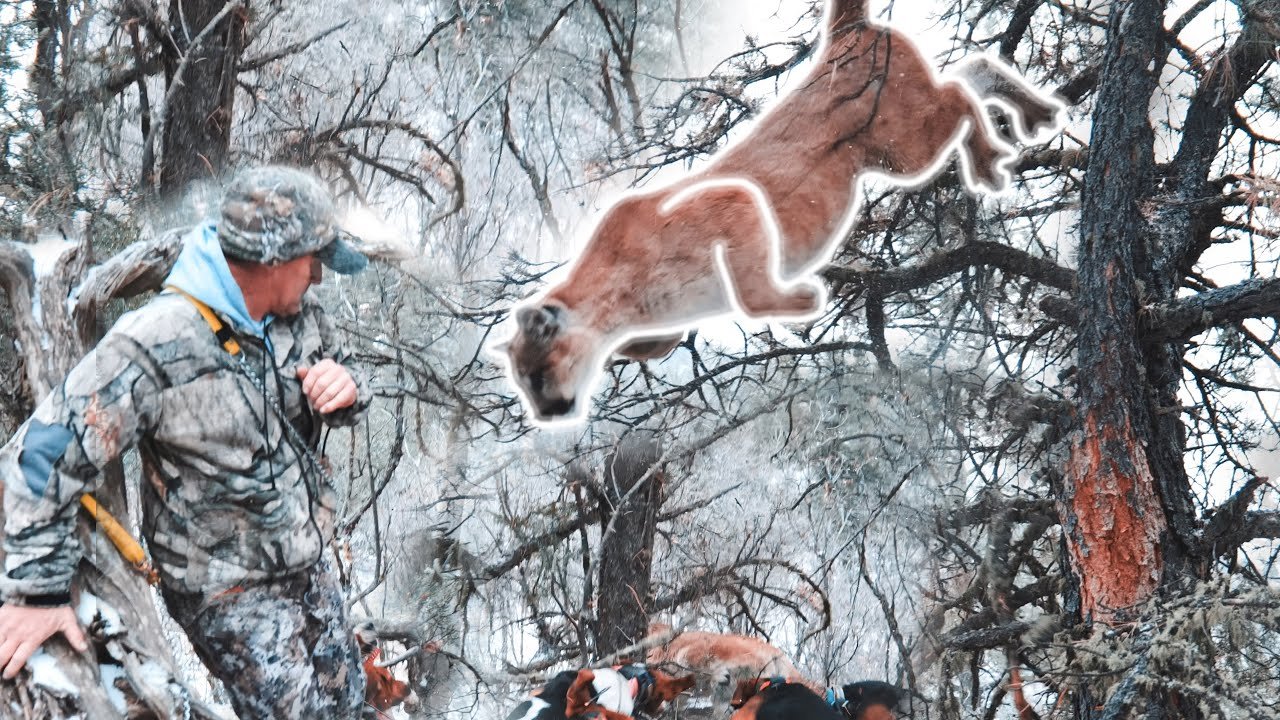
640	680
220	330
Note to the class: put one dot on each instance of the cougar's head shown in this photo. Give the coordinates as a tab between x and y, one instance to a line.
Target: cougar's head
552	361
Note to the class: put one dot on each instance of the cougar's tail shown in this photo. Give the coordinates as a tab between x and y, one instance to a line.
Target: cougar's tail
844	15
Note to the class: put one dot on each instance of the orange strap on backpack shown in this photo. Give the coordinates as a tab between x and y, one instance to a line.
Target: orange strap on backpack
129	548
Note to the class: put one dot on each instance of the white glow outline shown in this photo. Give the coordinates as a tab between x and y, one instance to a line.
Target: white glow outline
808	272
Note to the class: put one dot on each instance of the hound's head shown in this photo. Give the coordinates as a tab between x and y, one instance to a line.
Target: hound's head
751	687
552	361
873	700
666	688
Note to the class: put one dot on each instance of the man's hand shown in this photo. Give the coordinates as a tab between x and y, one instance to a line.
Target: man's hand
24	629
328	386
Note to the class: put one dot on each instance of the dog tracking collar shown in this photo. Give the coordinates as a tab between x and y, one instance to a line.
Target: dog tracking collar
770	682
641	681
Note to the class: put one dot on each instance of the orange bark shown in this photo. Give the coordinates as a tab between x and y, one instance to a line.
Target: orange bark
1118	519
1017	696
382	691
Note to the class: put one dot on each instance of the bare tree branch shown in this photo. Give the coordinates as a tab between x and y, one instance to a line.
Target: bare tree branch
941	264
286	51
139	268
1181	319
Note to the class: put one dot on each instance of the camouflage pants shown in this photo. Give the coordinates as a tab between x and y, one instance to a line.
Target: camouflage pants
281	648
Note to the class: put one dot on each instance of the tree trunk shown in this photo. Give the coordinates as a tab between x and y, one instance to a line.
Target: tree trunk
51	21
1114	516
15	402
628	513
1125	504
200	74
44	72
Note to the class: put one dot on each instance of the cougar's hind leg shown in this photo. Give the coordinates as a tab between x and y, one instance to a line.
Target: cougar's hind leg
982	154
1036	111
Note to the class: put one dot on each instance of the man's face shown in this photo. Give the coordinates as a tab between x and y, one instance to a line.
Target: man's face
291	280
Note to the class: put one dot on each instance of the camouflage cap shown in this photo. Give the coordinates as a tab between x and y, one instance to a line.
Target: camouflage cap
273	214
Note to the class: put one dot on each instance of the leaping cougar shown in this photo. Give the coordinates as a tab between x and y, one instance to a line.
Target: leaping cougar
750	231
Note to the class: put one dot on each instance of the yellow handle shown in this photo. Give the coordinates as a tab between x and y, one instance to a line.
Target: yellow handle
129	548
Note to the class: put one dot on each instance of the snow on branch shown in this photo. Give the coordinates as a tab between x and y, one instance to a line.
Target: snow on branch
138	268
947	262
1183	318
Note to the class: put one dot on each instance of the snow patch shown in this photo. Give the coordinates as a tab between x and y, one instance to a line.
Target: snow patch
47	251
46	673
110	673
45	254
92	608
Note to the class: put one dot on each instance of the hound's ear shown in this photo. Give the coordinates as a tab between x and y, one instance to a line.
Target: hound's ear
745	691
541	323
580	694
669	686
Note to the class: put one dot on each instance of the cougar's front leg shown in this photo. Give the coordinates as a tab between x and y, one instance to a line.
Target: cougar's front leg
748	252
984	154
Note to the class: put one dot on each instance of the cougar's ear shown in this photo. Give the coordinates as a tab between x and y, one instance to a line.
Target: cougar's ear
542	322
499	350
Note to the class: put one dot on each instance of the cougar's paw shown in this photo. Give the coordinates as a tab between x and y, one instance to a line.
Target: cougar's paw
802	299
991	175
650	348
1036	119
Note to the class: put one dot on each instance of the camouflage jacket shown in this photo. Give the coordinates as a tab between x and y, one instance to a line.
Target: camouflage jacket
229	495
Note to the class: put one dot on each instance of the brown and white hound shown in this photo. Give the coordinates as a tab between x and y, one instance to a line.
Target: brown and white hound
776	698
602	694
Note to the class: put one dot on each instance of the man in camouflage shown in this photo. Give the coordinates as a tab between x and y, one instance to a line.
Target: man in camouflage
238	510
